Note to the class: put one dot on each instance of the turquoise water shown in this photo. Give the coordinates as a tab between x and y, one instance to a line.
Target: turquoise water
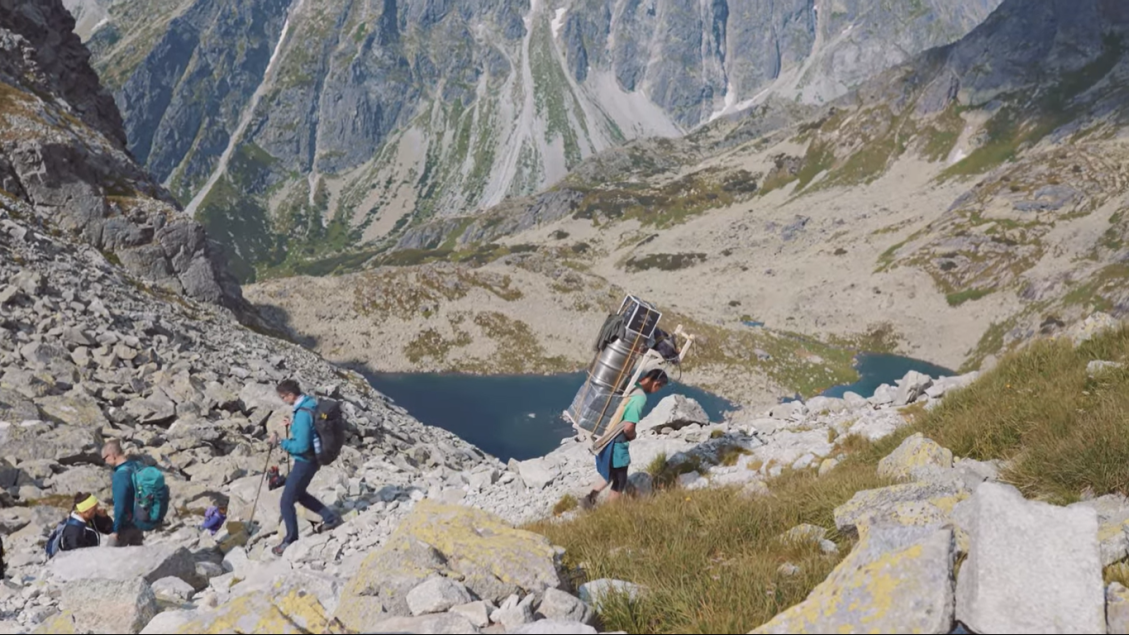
508	416
875	370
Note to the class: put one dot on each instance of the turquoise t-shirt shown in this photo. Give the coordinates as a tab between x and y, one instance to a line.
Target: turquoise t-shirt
632	413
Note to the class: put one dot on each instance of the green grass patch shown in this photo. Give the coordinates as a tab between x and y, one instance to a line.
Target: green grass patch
968	295
713	566
664	262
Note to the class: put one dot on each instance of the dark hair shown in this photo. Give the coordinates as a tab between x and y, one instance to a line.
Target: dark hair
79	497
656	374
289	387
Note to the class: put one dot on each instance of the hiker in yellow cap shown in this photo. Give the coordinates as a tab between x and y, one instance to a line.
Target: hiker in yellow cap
85	526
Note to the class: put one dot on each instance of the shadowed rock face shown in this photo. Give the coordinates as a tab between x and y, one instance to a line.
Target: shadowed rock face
62	151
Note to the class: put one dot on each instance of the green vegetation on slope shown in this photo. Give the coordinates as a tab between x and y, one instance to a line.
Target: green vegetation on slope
710	558
713	566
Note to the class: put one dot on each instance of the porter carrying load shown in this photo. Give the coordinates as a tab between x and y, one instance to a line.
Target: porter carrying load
629	344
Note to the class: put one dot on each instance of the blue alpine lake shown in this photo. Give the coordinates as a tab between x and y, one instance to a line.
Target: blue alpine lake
877	369
519	416
509	416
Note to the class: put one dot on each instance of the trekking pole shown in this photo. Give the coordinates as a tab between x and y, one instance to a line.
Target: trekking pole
255	505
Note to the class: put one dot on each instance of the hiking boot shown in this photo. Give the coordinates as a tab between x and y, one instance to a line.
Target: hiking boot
329	525
281	548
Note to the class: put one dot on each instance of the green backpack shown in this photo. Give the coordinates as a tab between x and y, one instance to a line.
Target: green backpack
151	498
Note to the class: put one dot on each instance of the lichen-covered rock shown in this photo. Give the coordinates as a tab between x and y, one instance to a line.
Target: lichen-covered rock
923	503
897	580
915	453
262	612
1113	525
494	560
1032	567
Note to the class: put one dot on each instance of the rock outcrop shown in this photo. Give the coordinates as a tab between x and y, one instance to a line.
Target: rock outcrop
63	160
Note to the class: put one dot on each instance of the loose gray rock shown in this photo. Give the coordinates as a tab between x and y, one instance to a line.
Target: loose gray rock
595	593
436	595
173	589
564	607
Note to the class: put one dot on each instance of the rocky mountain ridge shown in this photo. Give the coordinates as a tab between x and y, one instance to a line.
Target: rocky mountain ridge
62	153
337	124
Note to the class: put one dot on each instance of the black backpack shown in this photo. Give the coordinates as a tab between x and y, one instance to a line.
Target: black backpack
329	431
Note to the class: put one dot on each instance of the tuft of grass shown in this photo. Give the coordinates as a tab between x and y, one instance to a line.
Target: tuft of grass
729	455
566	504
664	475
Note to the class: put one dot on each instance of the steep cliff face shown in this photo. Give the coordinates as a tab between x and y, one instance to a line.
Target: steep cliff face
63	157
294	128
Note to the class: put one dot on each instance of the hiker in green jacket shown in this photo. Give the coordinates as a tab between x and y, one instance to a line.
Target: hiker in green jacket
612	462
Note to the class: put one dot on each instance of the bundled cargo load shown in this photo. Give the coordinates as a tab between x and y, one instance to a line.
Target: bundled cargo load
629	344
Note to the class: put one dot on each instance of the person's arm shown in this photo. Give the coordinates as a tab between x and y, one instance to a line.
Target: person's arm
629	431
103	524
632	414
300	434
123	502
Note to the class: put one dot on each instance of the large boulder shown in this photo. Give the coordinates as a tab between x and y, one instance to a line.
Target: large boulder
493	559
83	478
914	454
675	412
75	408
897	580
1032	567
109	606
911	504
45	442
150	563
910	387
537	474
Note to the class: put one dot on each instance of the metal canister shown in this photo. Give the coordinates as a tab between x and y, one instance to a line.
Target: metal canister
612	368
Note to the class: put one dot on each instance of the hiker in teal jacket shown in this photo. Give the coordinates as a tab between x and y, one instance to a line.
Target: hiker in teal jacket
300	445
124	533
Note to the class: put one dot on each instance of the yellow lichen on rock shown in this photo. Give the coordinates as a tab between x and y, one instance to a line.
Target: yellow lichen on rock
915	453
293	612
906	504
62	623
489	556
897	580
